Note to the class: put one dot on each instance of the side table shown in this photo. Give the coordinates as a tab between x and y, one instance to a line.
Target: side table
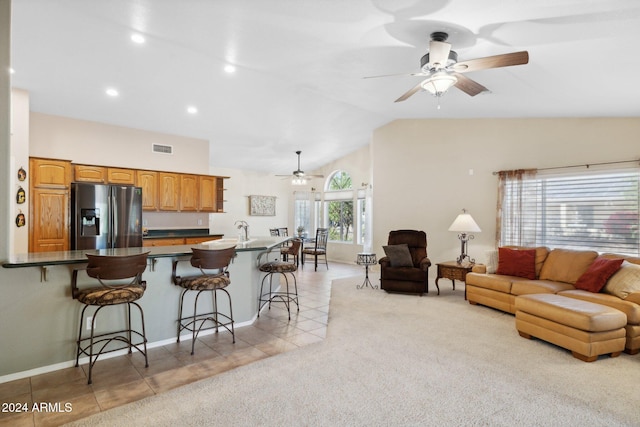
366	260
453	271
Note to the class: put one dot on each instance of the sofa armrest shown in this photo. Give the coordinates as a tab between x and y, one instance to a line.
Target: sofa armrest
479	268
384	262
425	263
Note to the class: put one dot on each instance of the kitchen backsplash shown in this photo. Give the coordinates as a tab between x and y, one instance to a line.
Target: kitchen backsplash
168	220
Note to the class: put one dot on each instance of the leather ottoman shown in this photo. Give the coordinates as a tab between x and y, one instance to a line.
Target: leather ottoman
585	328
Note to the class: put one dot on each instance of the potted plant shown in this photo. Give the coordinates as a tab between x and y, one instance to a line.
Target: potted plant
300	230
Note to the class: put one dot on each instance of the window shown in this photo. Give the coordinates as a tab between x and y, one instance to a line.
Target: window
339	207
597	210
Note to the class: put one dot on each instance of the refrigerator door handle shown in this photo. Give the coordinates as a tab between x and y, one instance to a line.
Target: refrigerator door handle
112	219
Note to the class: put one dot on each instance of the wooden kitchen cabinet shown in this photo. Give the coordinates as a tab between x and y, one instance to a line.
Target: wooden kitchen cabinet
197	240
49	205
189	192
121	176
89	173
169	241
50	220
49	173
207	193
169	191
148	180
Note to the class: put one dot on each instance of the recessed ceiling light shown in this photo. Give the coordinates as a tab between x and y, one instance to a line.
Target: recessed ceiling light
192	110
230	68
112	92
138	38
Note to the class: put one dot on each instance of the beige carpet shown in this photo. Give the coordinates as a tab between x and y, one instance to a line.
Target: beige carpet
402	360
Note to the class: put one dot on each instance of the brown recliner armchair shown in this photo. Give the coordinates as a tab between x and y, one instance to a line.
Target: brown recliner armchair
401	272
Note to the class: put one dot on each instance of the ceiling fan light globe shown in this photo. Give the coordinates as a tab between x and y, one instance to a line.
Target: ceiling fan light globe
439	84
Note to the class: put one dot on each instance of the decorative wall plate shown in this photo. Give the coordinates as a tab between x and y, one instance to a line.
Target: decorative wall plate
21	196
22	174
20	220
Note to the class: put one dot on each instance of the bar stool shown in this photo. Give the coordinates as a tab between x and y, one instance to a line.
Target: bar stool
120	279
293	250
214	276
286	296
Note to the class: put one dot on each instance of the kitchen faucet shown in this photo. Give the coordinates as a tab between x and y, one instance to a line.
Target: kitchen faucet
242	225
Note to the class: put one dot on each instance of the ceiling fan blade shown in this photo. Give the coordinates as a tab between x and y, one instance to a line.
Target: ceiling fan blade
497	61
468	86
410	92
439	53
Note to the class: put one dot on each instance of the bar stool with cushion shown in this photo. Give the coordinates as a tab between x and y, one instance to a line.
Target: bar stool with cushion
120	279
293	251
285	296
214	276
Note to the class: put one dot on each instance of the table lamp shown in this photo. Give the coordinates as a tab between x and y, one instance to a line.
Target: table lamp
464	224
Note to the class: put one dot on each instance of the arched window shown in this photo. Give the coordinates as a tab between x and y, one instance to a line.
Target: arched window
339	203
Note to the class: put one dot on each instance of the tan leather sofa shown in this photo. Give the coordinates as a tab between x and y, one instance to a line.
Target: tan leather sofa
556	272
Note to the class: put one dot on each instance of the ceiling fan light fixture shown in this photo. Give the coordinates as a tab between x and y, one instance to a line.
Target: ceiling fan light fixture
299	180
439	84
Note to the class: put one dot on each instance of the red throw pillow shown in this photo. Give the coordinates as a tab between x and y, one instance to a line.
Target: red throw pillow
517	262
596	276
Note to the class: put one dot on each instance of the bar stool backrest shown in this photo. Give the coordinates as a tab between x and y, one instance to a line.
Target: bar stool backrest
295	246
103	267
212	259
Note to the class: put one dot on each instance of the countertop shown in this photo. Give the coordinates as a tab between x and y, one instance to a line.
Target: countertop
180	232
40	259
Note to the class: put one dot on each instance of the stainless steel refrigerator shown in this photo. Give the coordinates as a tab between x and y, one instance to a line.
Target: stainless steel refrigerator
105	216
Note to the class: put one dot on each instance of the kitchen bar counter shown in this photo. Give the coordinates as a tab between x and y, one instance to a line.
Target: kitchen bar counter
39	318
41	259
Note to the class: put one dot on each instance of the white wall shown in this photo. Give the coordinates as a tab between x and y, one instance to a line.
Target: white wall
5	125
94	143
19	236
422	169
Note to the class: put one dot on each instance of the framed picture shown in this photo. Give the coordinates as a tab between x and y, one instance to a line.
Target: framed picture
262	205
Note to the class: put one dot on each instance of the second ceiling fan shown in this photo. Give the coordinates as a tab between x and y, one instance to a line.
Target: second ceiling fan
298	176
442	70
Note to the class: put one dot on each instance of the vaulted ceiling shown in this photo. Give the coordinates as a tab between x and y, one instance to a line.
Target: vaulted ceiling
298	83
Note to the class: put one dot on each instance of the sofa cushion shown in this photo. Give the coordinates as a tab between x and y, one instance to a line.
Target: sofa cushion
625	281
596	276
541	255
517	262
565	265
399	255
525	287
630	309
490	281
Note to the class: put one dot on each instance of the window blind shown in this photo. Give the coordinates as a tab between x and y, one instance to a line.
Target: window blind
597	211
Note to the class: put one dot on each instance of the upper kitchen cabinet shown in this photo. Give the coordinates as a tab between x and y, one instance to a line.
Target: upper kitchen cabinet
121	176
89	173
169	191
208	193
189	192
148	180
50	173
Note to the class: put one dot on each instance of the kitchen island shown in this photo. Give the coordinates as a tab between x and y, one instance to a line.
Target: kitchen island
39	318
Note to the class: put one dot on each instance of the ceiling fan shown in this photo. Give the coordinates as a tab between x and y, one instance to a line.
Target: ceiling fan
298	176
441	67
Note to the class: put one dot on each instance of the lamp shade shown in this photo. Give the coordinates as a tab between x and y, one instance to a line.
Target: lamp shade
464	223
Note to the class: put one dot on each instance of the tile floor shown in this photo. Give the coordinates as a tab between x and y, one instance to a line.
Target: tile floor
124	379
